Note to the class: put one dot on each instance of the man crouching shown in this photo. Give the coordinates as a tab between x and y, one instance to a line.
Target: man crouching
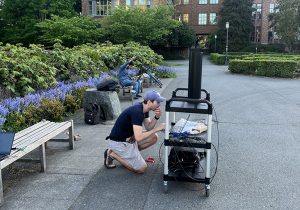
127	137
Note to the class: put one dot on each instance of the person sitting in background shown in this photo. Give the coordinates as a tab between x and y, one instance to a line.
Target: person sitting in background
125	80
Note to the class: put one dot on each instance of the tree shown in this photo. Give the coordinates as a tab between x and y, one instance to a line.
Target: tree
139	25
18	17
71	31
287	21
238	14
181	36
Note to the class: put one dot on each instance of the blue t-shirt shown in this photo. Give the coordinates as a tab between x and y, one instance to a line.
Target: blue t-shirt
123	127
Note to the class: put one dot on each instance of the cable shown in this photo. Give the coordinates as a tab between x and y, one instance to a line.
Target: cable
189	145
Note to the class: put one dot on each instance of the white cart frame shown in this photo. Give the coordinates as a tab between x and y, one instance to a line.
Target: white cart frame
187	105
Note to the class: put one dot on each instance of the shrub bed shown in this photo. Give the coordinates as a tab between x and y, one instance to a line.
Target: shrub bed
270	65
25	70
53	104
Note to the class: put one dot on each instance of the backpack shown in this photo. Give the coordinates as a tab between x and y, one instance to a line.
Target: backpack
93	113
107	85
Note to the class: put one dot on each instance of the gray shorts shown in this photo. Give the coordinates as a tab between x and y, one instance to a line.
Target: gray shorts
129	152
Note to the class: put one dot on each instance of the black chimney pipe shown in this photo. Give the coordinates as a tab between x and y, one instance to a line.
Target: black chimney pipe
195	73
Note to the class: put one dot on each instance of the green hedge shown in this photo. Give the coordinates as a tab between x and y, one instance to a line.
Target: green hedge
217	58
242	66
268	68
275	68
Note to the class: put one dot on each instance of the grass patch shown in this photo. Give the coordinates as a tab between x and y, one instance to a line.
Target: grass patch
165	63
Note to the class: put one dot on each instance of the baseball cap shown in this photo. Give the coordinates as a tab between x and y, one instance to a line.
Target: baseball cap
153	95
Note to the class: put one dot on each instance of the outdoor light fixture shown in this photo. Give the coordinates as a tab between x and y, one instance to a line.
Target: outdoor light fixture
216	42
227	27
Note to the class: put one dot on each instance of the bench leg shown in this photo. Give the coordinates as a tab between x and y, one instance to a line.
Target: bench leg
71	135
43	157
1	187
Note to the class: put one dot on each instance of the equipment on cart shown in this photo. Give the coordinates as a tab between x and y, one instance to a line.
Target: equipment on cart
183	158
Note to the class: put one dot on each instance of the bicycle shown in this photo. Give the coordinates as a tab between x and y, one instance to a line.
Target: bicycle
147	70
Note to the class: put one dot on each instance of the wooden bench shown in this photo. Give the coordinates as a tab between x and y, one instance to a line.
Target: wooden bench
34	137
125	91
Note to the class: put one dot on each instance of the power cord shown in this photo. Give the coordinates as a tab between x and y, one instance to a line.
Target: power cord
216	149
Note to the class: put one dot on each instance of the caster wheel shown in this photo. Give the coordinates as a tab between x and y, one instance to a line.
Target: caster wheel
207	191
165	187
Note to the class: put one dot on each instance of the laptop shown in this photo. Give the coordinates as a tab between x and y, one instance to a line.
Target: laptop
6	142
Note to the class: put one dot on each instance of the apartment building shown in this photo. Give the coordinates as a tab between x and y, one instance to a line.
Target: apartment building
201	15
99	8
260	18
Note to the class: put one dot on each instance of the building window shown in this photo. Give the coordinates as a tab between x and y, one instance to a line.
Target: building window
90	8
214	1
185	1
128	2
115	3
185	18
272	7
213	18
202	1
202	19
256	14
139	2
100	7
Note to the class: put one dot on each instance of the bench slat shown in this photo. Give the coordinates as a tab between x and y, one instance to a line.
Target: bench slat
29	129
40	133
21	135
18	154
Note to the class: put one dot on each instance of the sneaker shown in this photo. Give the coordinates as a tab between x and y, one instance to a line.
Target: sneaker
139	96
108	161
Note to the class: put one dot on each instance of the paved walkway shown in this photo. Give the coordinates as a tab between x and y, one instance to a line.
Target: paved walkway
259	159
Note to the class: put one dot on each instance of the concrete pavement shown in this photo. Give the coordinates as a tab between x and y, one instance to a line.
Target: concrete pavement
259	159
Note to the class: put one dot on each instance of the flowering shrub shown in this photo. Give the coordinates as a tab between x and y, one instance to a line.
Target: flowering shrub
161	71
23	106
26	70
165	72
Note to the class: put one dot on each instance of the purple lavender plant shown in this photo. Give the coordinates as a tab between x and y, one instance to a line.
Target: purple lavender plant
165	72
59	92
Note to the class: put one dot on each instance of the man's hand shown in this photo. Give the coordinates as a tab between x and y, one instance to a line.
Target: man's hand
157	112
131	139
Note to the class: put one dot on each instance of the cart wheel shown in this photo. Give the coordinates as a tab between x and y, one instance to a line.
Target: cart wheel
165	187
207	191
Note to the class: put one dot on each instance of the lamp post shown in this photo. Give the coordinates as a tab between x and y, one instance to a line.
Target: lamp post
255	31
215	42
227	27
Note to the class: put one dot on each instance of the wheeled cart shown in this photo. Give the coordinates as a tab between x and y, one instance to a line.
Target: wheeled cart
203	140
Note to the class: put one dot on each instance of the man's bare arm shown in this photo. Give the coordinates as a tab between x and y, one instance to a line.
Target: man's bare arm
139	135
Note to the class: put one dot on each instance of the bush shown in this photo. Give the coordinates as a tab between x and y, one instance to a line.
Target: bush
52	110
25	70
78	95
32	115
71	104
275	68
71	31
165	72
218	59
14	122
242	66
